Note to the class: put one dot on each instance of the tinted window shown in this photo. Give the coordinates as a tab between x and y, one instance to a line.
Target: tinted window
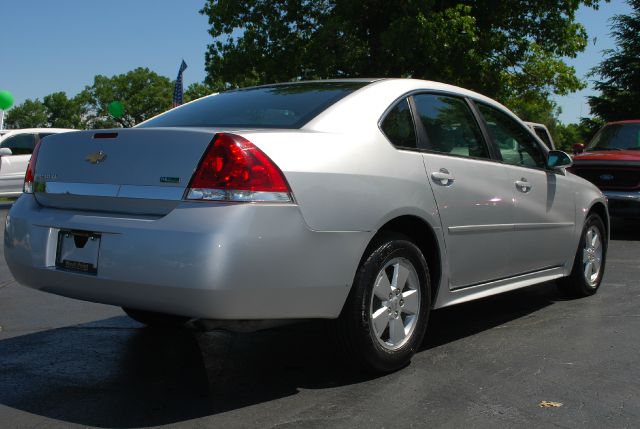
398	126
21	144
617	136
450	126
516	145
277	106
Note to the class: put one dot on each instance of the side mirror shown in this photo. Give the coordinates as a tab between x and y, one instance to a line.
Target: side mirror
558	159
578	148
5	151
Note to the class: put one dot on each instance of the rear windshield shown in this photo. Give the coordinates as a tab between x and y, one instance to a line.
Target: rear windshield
617	137
276	106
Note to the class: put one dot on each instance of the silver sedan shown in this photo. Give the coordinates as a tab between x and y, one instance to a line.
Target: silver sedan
370	202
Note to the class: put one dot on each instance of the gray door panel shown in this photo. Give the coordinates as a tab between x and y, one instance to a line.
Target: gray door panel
544	219
476	211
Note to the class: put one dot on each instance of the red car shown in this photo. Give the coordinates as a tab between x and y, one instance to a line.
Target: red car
612	162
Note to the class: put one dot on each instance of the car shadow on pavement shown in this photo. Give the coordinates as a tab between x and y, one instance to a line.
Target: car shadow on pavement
625	229
453	323
116	373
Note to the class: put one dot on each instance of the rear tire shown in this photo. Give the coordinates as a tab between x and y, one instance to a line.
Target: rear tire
156	320
588	265
385	317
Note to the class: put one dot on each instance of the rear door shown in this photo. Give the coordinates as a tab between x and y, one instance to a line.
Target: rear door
472	191
544	219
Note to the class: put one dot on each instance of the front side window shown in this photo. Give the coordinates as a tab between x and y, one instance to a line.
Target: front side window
21	144
516	145
398	126
450	126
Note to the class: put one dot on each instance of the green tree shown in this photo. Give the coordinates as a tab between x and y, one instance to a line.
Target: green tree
501	49
570	134
619	88
30	114
64	112
142	92
198	90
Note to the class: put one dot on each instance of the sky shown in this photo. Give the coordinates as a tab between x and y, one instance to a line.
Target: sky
51	46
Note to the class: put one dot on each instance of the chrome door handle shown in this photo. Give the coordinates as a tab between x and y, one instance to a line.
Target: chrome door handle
442	177
523	185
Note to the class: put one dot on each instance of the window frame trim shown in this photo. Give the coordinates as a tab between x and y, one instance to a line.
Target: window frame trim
386	113
423	131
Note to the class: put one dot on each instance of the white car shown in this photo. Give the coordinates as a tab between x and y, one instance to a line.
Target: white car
16	147
543	133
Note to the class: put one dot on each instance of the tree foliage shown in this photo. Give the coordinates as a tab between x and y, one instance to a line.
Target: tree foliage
502	49
55	110
198	90
64	112
619	86
30	114
143	93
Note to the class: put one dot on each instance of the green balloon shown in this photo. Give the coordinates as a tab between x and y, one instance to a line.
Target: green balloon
116	109
6	100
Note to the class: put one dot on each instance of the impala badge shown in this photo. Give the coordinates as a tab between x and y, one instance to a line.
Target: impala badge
607	177
96	158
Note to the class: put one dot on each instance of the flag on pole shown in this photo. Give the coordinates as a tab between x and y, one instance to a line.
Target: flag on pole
178	90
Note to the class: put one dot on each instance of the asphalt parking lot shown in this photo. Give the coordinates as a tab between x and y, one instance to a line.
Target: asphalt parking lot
491	363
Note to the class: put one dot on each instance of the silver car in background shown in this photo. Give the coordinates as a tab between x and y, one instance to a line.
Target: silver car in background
371	202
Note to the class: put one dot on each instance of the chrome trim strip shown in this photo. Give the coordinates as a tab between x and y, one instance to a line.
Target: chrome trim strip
151	192
546	225
171	193
80	189
470	229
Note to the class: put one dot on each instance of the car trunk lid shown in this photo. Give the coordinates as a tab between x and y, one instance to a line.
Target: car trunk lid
142	171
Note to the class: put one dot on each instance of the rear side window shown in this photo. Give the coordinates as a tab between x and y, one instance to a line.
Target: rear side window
450	126
21	144
515	144
276	106
398	126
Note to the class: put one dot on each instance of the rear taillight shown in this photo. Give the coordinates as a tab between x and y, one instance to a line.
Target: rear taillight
31	170
234	169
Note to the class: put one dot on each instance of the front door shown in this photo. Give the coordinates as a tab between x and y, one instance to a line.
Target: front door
544	216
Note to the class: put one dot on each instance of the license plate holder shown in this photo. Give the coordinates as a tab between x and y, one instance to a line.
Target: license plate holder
78	251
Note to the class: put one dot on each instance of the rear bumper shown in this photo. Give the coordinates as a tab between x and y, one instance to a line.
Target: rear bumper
211	261
623	203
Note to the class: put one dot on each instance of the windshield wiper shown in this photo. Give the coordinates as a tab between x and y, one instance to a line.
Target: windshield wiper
592	149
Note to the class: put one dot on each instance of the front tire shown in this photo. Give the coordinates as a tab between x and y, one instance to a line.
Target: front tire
588	265
385	317
156	320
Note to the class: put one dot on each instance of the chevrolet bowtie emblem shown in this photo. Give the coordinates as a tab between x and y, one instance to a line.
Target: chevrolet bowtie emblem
96	158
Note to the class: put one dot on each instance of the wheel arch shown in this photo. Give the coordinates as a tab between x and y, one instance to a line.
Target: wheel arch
601	210
423	235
